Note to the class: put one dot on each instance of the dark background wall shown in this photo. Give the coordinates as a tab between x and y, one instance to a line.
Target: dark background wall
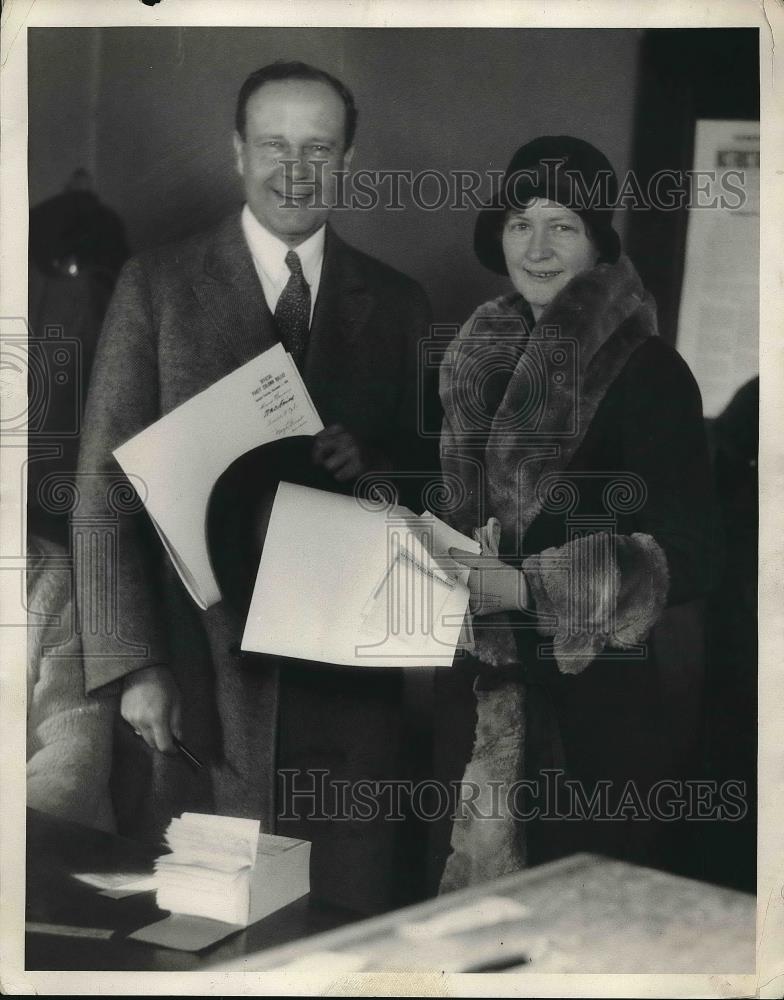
150	113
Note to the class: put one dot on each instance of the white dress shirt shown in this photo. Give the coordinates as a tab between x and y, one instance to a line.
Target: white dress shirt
269	258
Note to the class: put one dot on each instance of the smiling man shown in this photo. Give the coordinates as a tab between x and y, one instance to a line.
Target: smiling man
293	139
182	317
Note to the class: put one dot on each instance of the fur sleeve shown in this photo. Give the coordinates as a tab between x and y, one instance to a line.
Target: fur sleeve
599	591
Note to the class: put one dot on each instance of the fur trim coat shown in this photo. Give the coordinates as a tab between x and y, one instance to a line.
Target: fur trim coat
69	733
583	436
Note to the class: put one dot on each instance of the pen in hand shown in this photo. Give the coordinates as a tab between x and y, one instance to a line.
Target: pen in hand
189	756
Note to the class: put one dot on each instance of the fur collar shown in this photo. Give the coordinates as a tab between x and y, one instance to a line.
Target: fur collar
517	404
499	439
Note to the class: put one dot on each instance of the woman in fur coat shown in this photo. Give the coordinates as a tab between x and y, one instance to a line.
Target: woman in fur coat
573	448
69	733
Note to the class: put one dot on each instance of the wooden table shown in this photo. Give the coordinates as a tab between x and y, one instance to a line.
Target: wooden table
580	914
56	849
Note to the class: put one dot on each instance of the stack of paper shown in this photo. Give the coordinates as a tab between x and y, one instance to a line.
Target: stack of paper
208	872
221	868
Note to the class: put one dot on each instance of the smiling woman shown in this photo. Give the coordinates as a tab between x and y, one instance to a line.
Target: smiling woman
545	246
576	437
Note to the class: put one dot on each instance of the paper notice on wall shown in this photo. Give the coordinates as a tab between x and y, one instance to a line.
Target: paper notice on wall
718	325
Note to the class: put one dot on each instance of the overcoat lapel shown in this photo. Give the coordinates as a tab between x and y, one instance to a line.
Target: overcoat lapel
231	294
343	307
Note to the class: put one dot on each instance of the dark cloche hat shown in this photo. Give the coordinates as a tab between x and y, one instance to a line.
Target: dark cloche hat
559	168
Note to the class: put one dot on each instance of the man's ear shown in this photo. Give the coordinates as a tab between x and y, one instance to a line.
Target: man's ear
348	156
239	146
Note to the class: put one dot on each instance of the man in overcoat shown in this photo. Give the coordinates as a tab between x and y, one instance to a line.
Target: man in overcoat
182	317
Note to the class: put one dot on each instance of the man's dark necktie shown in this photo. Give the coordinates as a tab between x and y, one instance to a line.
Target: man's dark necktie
292	313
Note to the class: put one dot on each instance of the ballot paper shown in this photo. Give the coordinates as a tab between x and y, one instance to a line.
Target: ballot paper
207	872
445	537
343	582
117	885
220	875
175	462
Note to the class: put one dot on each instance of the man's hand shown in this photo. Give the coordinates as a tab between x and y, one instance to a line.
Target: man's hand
151	703
339	452
495	586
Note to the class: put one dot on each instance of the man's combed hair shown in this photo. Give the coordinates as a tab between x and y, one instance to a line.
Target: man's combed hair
295	71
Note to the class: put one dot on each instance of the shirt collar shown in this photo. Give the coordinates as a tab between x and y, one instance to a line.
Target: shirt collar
270	252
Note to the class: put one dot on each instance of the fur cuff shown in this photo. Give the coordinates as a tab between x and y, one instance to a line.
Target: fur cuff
595	592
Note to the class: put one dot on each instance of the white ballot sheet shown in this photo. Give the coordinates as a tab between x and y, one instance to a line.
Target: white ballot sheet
341	583
180	457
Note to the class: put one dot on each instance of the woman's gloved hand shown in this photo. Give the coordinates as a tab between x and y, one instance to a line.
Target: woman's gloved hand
495	585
